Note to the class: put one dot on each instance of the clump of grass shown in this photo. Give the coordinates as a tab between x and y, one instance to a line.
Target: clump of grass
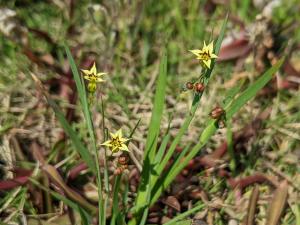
156	176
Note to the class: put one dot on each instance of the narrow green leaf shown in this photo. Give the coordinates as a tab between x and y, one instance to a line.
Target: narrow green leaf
253	89
151	142
79	84
85	216
160	182
159	102
115	208
229	140
78	145
185	214
161	150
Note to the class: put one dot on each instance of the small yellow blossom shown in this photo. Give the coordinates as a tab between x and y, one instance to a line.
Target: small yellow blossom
205	55
93	77
117	142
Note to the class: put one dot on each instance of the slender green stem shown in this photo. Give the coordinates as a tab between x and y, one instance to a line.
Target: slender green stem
106	183
185	214
181	132
229	139
106	179
115	206
87	113
99	185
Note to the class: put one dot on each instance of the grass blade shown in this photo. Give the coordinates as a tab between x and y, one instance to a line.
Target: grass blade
78	145
85	216
115	207
185	214
161	150
151	143
277	204
252	206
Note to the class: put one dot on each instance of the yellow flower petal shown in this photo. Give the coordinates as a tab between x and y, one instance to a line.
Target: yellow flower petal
210	47
100	74
207	63
86	72
98	80
196	51
87	77
94	69
213	56
124	139
119	134
124	148
107	143
112	135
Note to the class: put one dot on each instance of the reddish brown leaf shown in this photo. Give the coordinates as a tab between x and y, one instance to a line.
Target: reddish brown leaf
173	203
238	48
12	183
74	172
255	178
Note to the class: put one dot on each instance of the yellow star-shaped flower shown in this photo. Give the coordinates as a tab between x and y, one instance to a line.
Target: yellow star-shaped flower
117	142
93	77
205	55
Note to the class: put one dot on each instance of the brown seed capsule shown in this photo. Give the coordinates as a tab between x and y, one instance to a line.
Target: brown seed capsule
217	112
118	171
189	85
122	160
199	87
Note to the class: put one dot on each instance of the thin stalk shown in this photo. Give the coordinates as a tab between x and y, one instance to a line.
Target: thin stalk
115	206
185	214
229	137
106	182
101	212
181	132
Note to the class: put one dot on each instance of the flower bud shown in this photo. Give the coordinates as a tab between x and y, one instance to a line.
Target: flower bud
217	112
118	171
122	160
189	85
199	87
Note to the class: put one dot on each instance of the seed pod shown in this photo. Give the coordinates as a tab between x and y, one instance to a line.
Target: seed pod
217	112
189	85
118	171
122	160
199	87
